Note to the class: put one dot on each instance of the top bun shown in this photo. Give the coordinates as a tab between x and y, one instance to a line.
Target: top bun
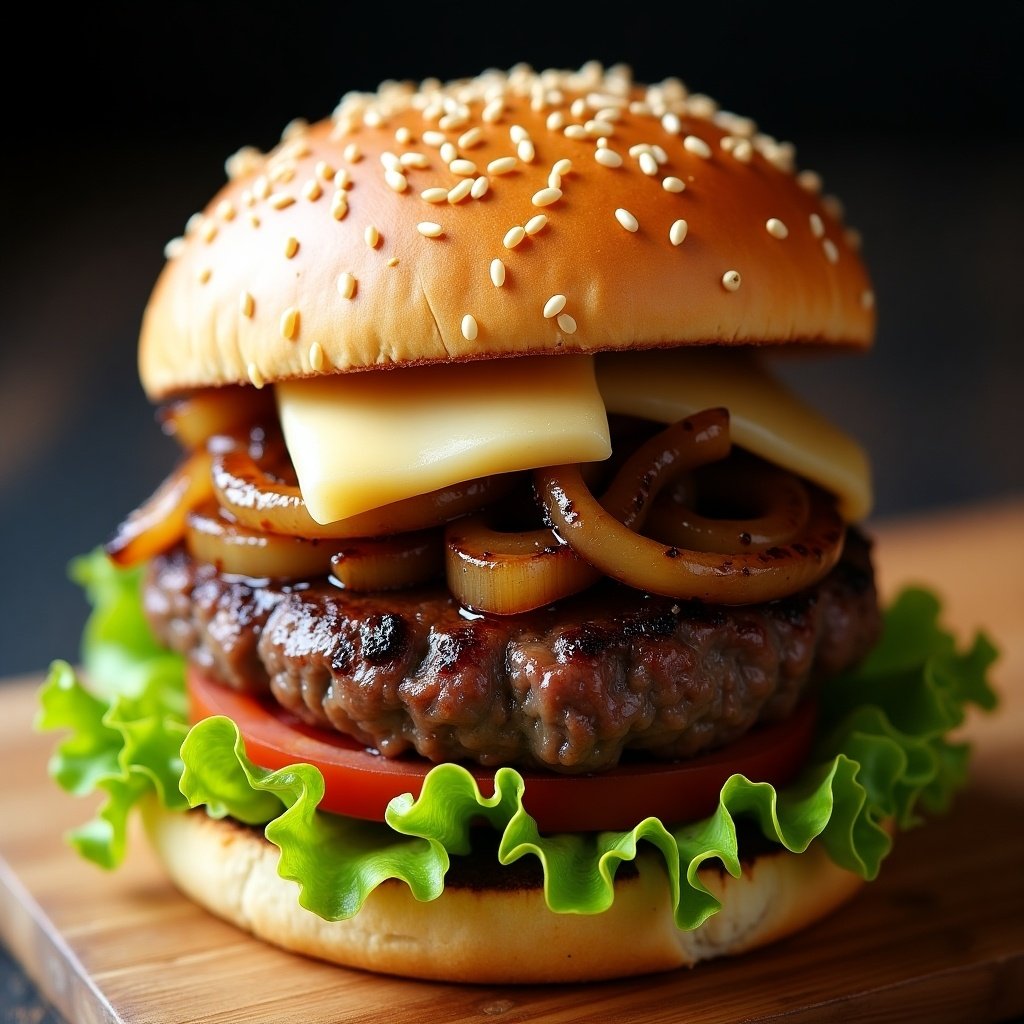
393	234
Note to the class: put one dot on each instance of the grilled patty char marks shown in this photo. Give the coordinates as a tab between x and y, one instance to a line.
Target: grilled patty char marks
570	688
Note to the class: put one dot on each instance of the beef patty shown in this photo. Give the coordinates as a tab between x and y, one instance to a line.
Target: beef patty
570	688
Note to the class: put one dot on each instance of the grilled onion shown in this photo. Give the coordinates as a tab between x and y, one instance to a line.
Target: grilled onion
492	571
780	499
389	563
604	533
218	411
212	537
262	501
159	523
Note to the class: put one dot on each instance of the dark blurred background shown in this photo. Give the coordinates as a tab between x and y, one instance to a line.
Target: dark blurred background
119	118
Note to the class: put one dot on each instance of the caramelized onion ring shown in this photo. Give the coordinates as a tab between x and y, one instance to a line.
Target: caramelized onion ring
211	537
780	498
389	563
192	420
263	502
603	532
159	523
492	571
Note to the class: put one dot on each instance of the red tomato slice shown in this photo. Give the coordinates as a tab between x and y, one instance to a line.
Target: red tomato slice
360	782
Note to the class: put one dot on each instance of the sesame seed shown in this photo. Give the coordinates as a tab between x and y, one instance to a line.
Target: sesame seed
547	196
562	167
566	324
731	280
466	168
518	133
393	261
743	151
460	191
697	146
497	271
434	195
204	275
673	184
575	131
352	153
396	180
627	220
502	165
246	305
343	179
677	232
833	206
255	376
867	298
248	199
597	127
648	164
291	246
554	306
526	151
831	252
403	135
555	121
254	220
371	236
226	209
513	237
173	248
323	170
817	227
209	232
579	107
659	154
480	187
435	139
290	323
554	179
467	140
776	228
453	122
493	111
429	229
640	147
261	187
346	285
853	239
282	201
449	152
316	356
536	224
608	158
414	159
671	123
809	181
339	206
469	327
312	190
390	161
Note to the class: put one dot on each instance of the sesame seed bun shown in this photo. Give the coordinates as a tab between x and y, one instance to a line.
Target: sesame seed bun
496	935
372	239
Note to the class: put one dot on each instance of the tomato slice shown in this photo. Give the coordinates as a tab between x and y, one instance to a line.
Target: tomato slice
360	782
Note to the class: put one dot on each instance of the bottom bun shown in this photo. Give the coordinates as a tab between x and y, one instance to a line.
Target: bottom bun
496	936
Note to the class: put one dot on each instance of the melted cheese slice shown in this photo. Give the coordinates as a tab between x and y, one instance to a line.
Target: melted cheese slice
764	416
361	440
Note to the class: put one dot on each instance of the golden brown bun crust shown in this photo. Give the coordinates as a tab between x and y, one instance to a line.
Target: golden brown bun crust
252	292
495	937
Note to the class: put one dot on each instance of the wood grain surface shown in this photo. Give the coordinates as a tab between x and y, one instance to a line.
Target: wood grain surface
939	937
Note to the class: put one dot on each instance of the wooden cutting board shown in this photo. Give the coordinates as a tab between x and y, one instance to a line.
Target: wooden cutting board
939	937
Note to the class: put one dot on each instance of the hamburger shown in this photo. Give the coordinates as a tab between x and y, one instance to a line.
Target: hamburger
506	619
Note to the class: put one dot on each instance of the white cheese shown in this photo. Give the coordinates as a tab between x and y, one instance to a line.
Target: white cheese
764	416
361	440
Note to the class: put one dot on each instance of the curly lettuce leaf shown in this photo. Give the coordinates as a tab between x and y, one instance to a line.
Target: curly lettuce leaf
884	755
